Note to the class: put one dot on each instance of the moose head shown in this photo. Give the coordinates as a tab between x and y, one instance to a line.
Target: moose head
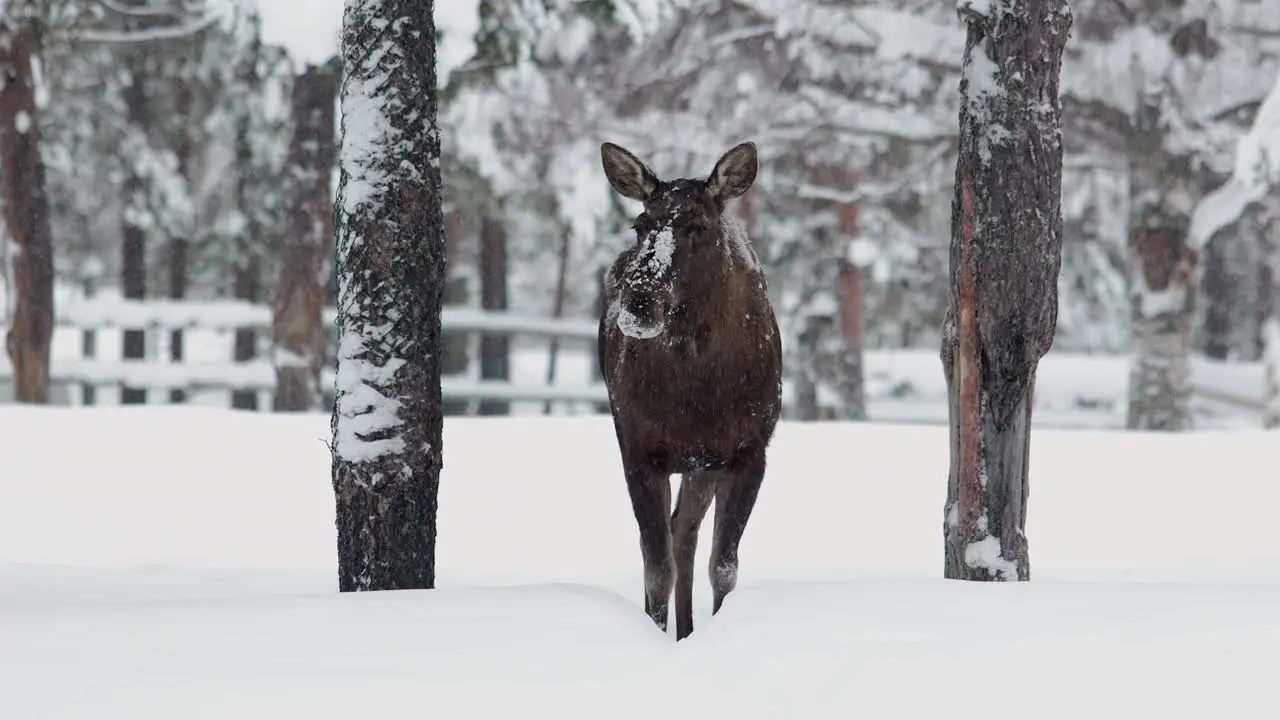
680	224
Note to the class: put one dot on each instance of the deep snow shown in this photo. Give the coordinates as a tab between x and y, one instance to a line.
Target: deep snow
179	562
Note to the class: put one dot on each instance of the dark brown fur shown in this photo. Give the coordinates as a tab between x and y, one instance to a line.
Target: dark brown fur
699	392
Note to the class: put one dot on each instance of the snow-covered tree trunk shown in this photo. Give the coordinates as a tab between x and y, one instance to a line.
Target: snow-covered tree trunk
298	330
1161	277
387	416
26	213
1006	252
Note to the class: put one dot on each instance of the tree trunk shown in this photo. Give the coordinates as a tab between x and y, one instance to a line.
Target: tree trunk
1217	288
852	386
133	260
246	284
597	372
1006	252
246	271
557	311
495	350
455	353
179	246
1161	277
387	419
308	242
89	346
177	291
1271	338
26	216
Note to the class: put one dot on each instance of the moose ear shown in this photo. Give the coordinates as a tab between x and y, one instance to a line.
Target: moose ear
626	173
734	173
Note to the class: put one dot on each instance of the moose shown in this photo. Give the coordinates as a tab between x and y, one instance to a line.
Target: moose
692	360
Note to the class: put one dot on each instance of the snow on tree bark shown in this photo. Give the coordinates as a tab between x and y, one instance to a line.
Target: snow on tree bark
1006	249
26	214
387	417
1162	274
307	241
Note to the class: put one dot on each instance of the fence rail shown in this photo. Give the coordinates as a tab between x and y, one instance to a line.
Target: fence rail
901	385
158	318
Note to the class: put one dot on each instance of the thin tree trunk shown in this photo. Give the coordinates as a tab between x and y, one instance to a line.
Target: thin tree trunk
853	387
387	420
495	350
26	215
89	346
455	353
246	271
852	390
597	372
1161	277
557	311
805	405
1217	286
1271	337
246	285
308	242
133	261
179	246
1006	253
177	291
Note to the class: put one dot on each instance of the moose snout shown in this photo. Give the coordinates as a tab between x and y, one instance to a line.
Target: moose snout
642	316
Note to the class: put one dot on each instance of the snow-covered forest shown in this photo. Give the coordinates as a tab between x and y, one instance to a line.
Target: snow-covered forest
180	140
1002	239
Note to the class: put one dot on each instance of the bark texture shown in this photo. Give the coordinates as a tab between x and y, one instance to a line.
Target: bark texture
1161	275
1006	252
308	242
387	418
26	215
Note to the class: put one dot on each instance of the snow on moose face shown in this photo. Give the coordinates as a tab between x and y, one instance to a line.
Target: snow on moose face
676	222
681	219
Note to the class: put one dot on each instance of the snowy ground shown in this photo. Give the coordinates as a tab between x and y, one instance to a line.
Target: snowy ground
178	562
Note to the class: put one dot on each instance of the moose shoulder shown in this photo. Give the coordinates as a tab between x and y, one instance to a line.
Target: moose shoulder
692	359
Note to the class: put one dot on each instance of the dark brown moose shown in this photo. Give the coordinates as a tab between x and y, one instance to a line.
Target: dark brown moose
691	356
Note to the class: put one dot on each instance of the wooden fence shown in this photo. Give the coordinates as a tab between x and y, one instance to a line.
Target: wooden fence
79	380
901	385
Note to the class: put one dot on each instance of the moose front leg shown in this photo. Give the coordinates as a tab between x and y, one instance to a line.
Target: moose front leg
651	501
735	498
696	492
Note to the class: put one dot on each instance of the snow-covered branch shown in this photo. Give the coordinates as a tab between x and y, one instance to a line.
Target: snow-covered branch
168	32
146	10
1257	170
